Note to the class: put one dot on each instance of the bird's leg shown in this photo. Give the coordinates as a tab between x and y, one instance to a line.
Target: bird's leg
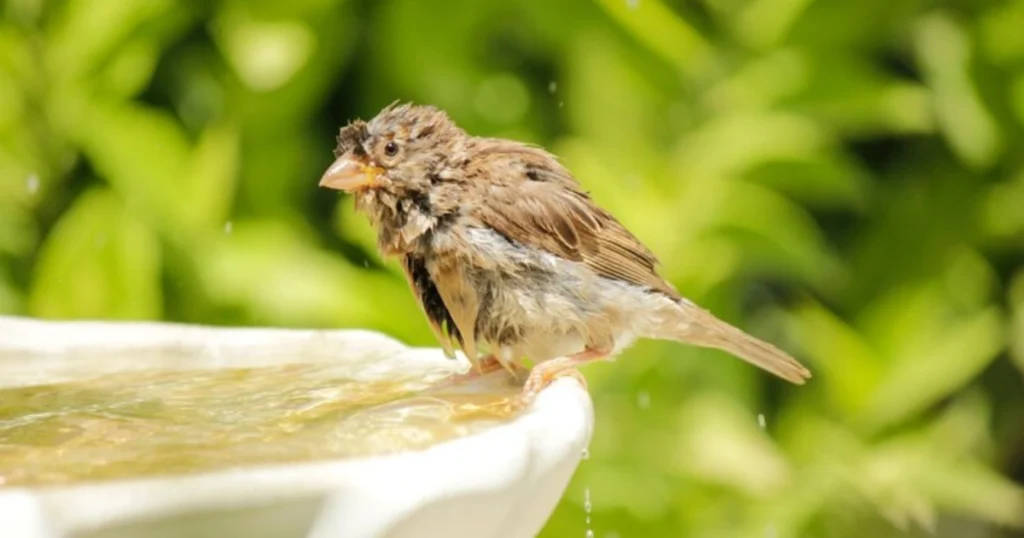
547	372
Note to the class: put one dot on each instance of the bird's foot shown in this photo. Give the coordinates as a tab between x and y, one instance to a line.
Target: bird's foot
546	373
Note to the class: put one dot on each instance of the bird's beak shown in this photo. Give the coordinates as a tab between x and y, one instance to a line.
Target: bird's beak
349	173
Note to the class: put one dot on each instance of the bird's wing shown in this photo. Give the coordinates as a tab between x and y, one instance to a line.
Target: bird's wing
540	205
460	298
431	303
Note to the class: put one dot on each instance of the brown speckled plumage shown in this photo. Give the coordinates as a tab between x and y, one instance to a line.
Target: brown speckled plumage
504	248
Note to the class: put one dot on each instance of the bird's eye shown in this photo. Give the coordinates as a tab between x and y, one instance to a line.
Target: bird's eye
391	149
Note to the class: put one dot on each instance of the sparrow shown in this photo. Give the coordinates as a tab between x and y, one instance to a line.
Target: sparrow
507	253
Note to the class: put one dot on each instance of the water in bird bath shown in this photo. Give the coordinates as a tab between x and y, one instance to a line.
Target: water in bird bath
159	413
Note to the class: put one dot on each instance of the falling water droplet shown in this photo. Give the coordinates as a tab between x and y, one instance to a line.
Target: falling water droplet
643	399
769	531
761	421
32	183
585	454
633	4
552	87
228	226
561	104
587	508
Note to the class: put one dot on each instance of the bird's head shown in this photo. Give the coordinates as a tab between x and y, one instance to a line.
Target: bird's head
398	151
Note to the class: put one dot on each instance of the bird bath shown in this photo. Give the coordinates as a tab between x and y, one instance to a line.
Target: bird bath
111	430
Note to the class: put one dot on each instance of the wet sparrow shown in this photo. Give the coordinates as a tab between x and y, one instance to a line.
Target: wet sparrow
505	250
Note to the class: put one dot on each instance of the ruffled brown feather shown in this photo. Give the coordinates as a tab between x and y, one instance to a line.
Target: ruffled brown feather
532	200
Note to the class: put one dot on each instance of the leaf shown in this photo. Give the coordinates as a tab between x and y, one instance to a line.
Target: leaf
764	23
265	55
1016	298
794	241
731	144
826	181
958	353
721	443
276	276
356	228
146	157
655	25
10	298
944	52
1001	217
99	261
849	366
209	178
936	465
89	32
970	488
141	152
999	31
17	232
1017	98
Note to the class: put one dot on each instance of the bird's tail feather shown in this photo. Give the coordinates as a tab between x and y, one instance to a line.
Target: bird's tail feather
699	327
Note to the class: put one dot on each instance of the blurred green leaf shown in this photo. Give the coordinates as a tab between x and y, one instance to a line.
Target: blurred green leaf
1017	322
721	443
10	299
209	178
1017	98
87	34
148	160
99	262
945	53
356	228
850	368
799	247
999	29
975	490
958	352
264	54
270	271
763	23
18	233
652	23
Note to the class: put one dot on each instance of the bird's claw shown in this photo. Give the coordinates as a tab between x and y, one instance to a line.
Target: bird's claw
546	373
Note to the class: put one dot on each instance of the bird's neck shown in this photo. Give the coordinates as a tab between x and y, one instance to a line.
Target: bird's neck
404	222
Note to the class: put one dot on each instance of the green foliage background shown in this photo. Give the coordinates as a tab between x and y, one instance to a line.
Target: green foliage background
845	178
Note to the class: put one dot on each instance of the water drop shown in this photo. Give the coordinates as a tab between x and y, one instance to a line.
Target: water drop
643	399
552	87
228	226
587	508
32	183
769	531
761	421
633	4
585	454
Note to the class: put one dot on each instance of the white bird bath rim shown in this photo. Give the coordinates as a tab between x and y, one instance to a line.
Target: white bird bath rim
501	479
